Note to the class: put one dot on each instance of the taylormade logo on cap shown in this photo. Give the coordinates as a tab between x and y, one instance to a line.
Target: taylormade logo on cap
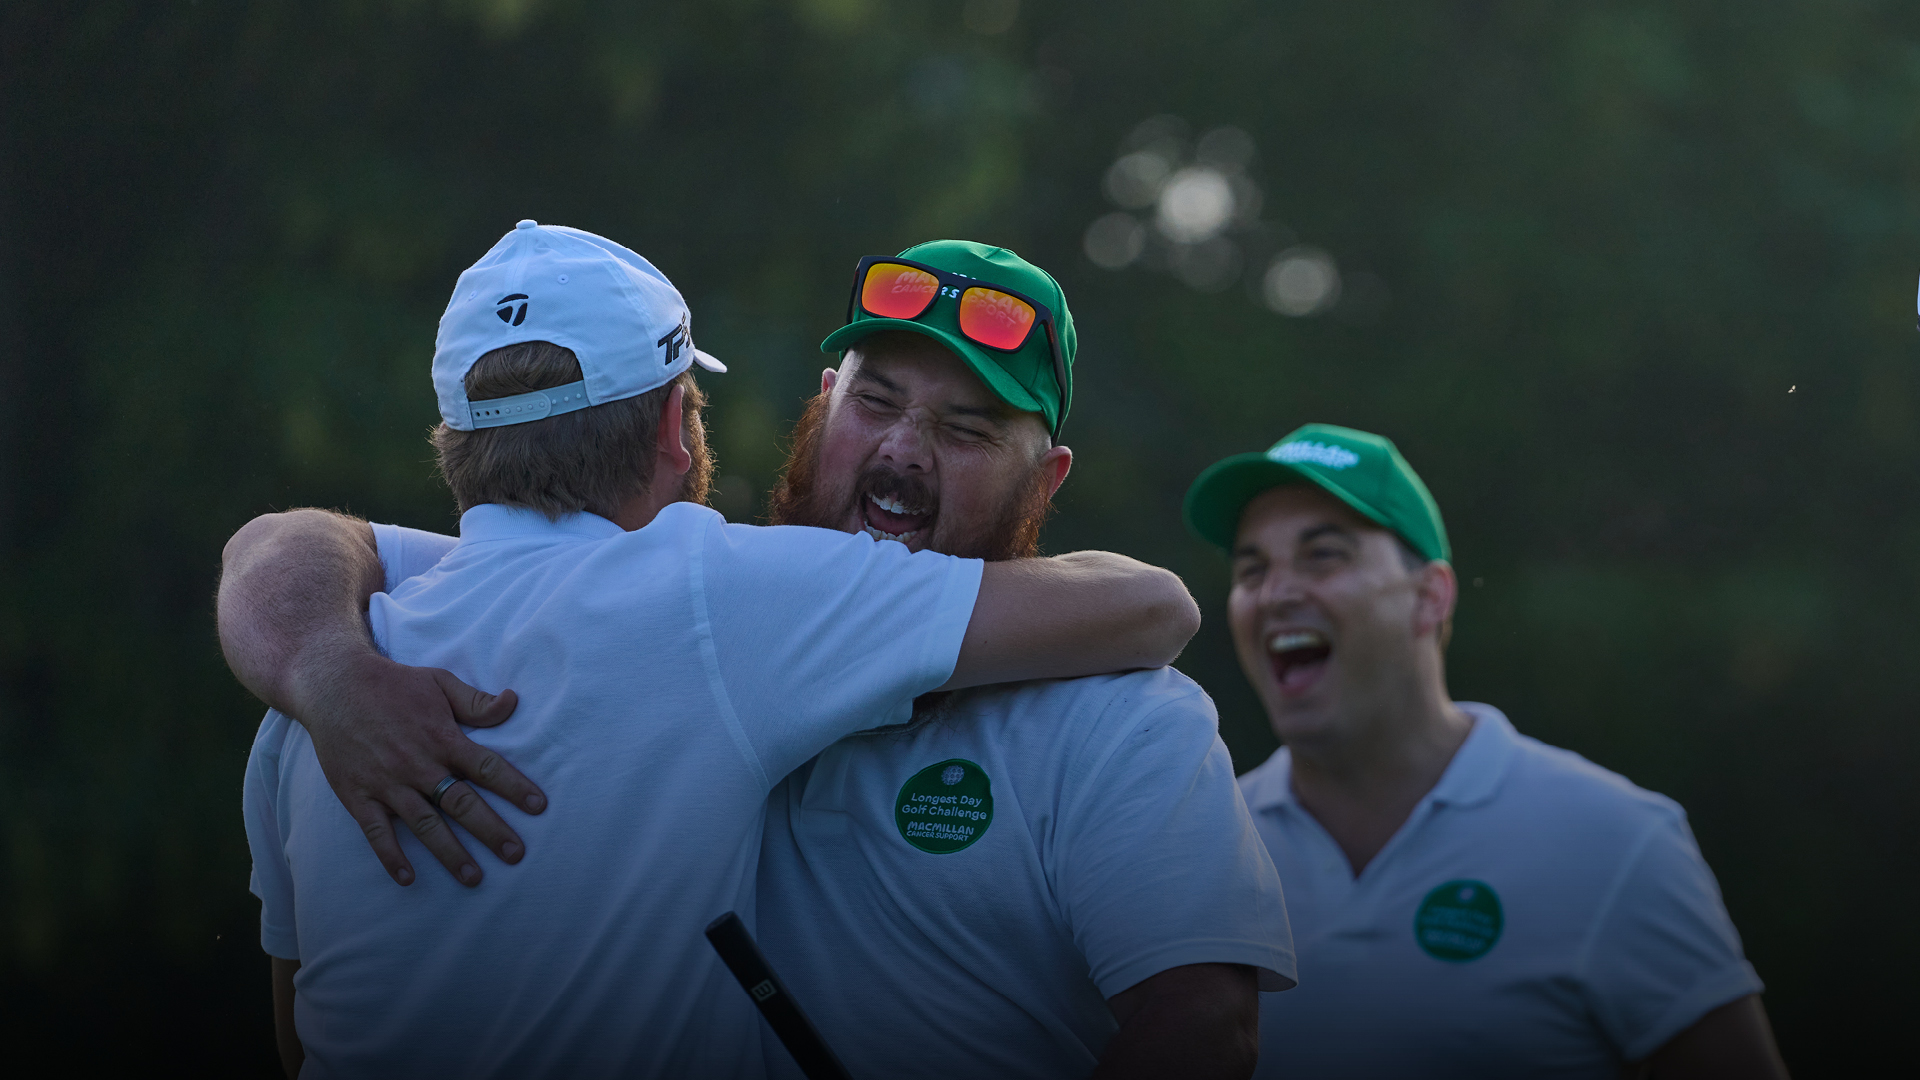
1321	454
624	321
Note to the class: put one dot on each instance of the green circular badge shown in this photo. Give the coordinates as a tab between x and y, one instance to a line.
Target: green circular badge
1459	921
945	807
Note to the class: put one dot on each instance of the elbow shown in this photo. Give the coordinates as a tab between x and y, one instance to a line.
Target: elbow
258	537
1173	621
247	541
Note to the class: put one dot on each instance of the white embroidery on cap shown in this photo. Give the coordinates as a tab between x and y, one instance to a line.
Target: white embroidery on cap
1331	457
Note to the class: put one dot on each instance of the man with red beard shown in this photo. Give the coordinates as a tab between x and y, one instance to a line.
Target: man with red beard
977	893
1044	879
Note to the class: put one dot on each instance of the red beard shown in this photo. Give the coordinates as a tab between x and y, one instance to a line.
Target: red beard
1013	533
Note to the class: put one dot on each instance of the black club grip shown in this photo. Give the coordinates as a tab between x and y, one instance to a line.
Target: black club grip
743	957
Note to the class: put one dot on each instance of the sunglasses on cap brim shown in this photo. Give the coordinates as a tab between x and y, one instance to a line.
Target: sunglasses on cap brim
889	287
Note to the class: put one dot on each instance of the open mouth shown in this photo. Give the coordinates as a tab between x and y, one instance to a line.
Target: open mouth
888	517
1299	658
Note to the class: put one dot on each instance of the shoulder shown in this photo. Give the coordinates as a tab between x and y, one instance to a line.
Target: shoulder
1267	782
1112	704
1105	726
783	543
1552	777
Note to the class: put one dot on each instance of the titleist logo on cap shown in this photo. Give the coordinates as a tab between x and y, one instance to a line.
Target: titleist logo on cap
1331	457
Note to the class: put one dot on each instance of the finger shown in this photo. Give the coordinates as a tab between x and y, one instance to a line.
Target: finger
464	805
419	816
489	770
377	824
472	706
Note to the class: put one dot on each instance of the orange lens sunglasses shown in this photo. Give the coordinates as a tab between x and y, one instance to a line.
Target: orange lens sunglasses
999	319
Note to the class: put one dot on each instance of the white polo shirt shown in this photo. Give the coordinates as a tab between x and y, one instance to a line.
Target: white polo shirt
1536	916
958	898
668	678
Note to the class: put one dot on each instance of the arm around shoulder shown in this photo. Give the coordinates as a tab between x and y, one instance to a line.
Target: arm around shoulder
294	586
1083	613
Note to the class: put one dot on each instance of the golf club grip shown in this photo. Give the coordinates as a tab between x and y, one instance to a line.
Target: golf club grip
742	956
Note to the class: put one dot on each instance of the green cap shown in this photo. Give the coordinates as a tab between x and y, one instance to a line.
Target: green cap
1363	470
1023	379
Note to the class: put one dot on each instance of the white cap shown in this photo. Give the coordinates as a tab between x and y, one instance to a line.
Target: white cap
622	318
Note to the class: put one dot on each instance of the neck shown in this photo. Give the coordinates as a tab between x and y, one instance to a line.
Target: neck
1401	738
1364	777
640	510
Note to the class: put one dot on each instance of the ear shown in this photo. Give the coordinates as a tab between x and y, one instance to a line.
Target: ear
672	449
1059	462
1434	597
828	378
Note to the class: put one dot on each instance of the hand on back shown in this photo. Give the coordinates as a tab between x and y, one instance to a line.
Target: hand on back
386	735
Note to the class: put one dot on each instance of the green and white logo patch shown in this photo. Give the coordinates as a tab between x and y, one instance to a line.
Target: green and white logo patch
945	806
1459	921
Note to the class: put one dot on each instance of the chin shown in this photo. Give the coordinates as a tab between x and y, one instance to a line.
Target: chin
1295	719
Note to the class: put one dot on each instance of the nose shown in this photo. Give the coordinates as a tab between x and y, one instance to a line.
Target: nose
1281	590
906	444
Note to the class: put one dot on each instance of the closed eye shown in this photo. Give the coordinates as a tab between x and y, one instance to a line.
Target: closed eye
1322	556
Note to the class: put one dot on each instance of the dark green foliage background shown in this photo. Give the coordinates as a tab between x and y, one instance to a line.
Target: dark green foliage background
1614	235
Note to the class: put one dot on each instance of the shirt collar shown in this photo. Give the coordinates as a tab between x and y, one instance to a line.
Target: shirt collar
1481	761
492	521
1470	778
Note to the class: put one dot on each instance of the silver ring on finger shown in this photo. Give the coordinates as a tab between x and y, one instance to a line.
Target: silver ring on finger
440	789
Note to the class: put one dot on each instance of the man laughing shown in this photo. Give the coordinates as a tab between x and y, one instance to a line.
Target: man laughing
1019	882
1042	879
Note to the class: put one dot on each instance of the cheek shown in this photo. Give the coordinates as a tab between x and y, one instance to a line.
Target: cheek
845	444
1243	616
971	485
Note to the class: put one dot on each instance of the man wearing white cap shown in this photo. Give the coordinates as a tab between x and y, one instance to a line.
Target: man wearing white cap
675	668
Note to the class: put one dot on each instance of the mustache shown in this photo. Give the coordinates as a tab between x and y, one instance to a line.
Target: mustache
908	490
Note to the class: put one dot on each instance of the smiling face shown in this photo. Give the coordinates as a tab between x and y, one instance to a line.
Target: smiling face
905	443
1331	622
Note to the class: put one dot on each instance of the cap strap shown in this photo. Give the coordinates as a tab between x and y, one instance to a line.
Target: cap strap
520	408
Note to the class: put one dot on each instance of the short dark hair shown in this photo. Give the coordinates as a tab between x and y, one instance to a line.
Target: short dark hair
591	460
1416	562
1409	558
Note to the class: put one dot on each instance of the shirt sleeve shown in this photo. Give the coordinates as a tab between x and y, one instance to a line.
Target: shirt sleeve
815	634
1664	952
406	553
272	881
1157	862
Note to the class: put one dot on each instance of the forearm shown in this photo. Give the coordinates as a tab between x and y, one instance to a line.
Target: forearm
1201	1021
1084	613
293	594
1733	1041
285	1036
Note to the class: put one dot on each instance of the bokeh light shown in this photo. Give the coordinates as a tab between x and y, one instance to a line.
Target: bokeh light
1135	180
1115	241
1301	280
1195	204
1191	208
1211	265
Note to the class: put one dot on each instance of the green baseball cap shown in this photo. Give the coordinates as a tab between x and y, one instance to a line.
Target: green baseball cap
1024	379
1361	469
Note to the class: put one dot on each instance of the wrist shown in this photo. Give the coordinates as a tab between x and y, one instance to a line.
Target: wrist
320	670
